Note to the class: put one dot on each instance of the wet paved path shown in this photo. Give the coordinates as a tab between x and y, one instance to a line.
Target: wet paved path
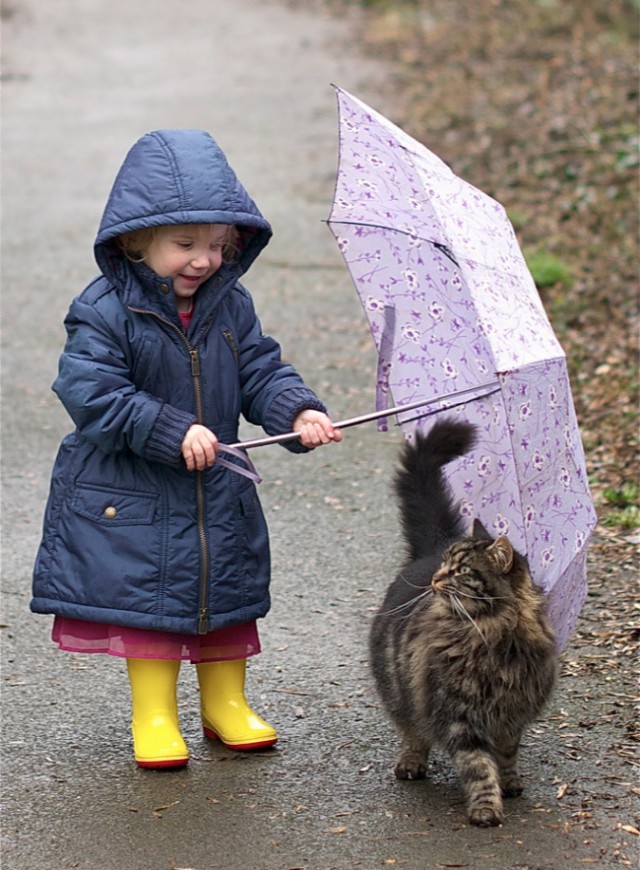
82	81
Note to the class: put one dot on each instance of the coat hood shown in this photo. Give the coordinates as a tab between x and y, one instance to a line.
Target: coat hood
178	177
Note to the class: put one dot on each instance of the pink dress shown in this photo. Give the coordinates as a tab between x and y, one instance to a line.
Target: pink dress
80	636
235	642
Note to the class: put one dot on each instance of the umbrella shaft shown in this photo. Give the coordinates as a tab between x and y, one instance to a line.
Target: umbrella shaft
374	415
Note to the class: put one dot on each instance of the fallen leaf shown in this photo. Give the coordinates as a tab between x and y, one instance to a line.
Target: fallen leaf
166	806
158	810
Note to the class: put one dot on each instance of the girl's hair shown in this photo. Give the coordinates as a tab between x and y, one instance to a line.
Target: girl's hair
136	243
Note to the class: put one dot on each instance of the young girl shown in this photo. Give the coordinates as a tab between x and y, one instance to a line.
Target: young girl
155	548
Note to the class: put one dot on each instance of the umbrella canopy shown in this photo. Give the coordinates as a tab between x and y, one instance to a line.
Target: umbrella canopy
452	307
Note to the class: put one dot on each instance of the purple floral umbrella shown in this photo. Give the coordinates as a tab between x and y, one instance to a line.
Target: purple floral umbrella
454	311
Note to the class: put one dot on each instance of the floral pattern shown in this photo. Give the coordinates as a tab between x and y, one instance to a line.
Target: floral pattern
452	307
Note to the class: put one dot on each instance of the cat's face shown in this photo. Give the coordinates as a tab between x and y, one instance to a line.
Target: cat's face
477	572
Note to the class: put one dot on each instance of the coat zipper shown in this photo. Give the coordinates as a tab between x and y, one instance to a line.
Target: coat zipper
232	343
203	614
203	610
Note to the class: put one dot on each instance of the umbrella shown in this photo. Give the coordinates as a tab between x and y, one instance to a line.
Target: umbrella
453	309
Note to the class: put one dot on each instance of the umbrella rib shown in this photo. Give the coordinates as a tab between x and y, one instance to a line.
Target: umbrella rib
446	250
448	407
331	222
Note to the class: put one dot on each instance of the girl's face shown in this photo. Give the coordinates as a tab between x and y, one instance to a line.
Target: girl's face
188	254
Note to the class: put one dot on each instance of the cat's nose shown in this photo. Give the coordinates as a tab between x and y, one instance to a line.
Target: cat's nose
439	577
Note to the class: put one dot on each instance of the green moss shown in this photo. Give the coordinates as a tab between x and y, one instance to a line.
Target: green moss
547	269
625	502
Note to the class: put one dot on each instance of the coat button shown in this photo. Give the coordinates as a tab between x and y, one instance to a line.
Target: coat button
110	512
164	288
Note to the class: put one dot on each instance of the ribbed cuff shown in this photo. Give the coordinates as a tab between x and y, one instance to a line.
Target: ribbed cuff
286	408
163	443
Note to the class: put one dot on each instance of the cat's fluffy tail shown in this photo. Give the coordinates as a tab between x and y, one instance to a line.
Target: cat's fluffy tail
428	512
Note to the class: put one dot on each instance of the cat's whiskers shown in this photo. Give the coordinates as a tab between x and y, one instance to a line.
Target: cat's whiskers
413	585
422	599
462	611
483	597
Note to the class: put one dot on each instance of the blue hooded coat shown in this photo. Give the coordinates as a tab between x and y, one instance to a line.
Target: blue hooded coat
131	537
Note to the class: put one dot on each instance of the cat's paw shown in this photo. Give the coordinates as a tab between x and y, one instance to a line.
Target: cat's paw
485	817
410	766
512	787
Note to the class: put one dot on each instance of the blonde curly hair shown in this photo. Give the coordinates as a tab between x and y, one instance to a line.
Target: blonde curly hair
135	244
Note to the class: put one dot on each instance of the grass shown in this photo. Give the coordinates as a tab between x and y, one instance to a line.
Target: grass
625	505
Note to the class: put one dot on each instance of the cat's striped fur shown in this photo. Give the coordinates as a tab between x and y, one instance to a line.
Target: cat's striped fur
461	649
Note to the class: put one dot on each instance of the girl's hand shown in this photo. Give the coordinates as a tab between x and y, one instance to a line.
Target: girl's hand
199	447
315	428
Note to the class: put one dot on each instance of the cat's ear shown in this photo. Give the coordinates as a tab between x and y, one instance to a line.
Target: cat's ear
479	532
501	552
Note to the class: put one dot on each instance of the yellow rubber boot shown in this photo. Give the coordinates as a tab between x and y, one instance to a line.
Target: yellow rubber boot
157	739
226	716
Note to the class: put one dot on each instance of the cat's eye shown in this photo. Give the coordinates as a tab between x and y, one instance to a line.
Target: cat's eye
464	569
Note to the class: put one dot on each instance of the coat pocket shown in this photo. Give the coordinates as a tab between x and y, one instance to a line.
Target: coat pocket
108	555
253	542
114	507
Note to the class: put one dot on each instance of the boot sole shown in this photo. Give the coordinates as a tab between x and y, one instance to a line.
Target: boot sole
161	764
241	747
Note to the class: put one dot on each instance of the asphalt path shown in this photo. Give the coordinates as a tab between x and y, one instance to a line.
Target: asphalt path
82	80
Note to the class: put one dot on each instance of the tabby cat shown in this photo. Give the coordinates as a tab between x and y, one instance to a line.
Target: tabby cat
461	650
